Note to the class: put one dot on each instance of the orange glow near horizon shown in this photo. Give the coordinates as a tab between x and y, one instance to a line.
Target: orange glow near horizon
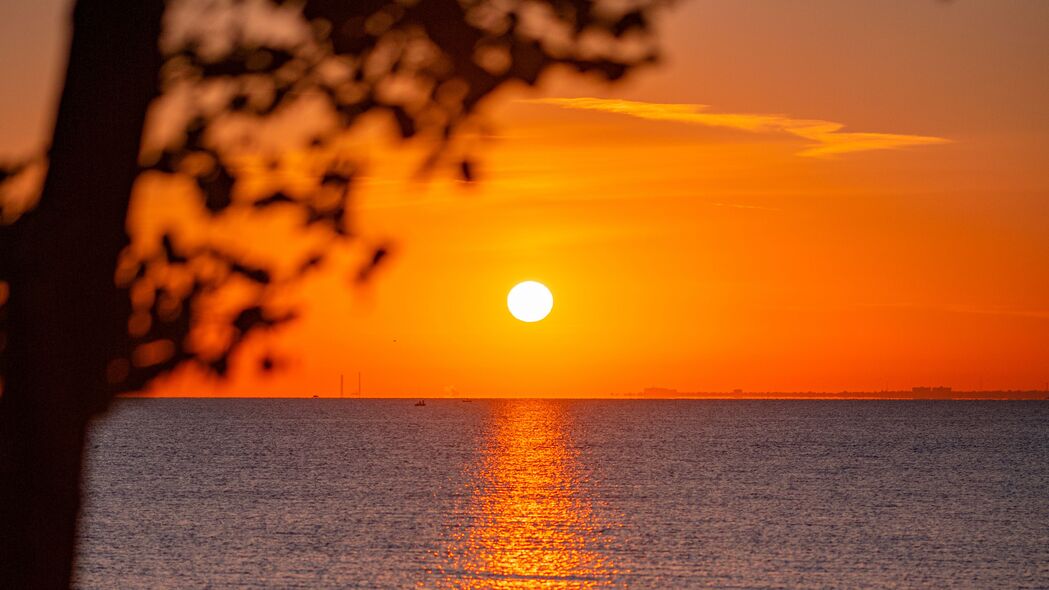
795	201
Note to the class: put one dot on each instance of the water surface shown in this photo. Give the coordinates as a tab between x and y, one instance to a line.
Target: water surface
567	494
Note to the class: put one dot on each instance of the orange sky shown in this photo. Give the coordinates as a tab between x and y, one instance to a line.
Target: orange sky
844	195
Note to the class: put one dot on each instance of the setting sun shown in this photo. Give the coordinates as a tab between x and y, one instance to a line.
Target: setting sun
530	301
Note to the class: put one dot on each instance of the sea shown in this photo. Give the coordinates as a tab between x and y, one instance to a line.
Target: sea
566	494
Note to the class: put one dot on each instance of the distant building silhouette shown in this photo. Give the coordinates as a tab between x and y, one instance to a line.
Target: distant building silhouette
660	392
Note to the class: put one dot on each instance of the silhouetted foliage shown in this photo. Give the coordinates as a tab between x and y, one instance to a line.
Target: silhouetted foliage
426	64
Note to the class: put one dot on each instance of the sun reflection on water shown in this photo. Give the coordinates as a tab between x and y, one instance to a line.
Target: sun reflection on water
528	522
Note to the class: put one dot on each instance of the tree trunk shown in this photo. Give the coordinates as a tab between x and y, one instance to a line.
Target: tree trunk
66	318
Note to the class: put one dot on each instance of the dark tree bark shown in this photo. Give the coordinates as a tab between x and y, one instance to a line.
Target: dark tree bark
67	319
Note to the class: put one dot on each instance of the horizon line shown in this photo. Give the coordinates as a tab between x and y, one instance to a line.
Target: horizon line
886	395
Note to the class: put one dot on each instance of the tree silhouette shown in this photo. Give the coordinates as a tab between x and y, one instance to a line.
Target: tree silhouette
88	312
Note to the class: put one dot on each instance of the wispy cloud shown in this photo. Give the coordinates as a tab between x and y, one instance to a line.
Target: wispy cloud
827	137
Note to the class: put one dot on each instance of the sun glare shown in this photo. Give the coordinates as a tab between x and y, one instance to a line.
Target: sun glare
530	301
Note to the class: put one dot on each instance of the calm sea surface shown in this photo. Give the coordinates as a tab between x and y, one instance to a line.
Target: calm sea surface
567	494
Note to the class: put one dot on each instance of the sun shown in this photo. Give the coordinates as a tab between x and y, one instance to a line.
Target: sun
530	301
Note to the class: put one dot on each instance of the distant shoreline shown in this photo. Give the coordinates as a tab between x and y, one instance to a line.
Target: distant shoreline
748	396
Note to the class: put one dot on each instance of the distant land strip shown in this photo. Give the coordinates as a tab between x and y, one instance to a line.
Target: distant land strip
904	395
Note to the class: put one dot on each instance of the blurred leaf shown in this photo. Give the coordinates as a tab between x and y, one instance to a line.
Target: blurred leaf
217	187
378	256
631	21
405	123
466	170
277	198
170	254
257	275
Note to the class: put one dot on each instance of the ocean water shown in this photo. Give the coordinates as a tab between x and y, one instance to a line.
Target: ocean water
567	494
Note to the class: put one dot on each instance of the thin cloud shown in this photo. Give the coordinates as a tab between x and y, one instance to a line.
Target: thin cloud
827	136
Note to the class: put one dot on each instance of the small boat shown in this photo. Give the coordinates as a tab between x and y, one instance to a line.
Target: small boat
468	401
420	403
